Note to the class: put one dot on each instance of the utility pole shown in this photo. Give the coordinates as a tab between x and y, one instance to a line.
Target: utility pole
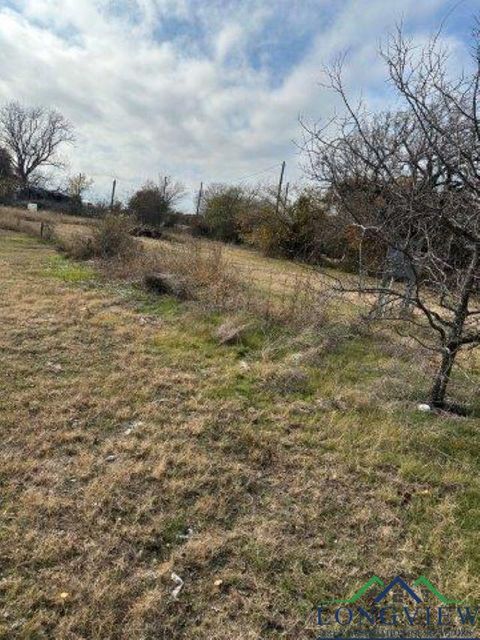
279	193
285	204
114	186
165	182
199	199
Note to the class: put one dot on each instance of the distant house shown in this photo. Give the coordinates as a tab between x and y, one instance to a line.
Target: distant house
45	198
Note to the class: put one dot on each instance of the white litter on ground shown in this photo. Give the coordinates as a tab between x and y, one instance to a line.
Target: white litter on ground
179	582
187	535
424	407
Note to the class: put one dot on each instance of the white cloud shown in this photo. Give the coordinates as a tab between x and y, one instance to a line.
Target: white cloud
150	95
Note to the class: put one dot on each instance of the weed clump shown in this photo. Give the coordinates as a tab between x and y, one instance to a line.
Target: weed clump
110	238
286	380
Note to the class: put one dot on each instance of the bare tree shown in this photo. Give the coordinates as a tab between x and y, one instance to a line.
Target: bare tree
172	191
412	178
33	135
77	185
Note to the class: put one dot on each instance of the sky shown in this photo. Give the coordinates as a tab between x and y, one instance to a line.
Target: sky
201	90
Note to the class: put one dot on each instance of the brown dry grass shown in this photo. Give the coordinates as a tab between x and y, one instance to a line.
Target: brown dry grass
124	424
214	280
43	215
30	222
284	287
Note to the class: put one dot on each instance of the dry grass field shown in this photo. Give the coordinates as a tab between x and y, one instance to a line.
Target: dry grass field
270	475
268	274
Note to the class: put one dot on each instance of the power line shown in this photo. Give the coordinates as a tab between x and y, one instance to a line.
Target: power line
116	178
124	179
253	175
112	176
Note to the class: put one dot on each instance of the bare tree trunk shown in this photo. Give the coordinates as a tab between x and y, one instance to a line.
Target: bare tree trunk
453	341
380	308
406	308
439	389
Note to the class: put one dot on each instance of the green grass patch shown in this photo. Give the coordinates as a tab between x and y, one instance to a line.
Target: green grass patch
150	304
60	267
240	385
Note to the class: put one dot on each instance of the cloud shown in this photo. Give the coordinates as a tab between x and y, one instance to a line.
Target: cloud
203	91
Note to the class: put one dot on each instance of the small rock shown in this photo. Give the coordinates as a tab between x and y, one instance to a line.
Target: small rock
166	284
425	408
110	458
54	367
218	583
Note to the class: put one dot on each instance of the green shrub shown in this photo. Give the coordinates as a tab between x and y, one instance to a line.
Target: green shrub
149	205
154	206
221	209
302	229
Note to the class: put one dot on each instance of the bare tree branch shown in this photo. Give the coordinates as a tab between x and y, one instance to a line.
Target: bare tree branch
33	135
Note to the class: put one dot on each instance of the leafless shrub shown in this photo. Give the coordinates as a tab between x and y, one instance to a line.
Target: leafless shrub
301	305
77	246
412	179
47	231
205	274
112	237
212	279
109	239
